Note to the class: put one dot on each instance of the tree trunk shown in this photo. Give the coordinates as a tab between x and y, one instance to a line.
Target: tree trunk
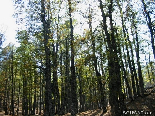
49	109
5	102
67	91
12	94
134	69
74	105
81	109
141	83
149	23
98	75
113	63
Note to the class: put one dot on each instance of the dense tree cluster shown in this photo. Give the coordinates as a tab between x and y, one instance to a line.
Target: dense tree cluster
77	55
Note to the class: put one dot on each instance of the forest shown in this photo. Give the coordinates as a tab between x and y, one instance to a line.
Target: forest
77	56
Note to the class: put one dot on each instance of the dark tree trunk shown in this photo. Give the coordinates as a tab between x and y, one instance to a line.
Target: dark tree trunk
122	64
67	91
24	98
55	83
35	91
55	77
150	25
62	105
74	105
134	69
49	109
30	91
81	109
12	94
141	83
113	63
5	102
98	75
40	91
131	71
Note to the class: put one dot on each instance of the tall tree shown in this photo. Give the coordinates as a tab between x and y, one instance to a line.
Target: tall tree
150	24
74	105
49	110
113	60
141	83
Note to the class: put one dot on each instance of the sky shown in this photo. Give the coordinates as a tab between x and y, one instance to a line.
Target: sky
7	22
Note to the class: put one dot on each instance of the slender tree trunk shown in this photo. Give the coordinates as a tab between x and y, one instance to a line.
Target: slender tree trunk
134	69
81	92
55	78
62	98
149	23
67	79
12	94
98	75
6	94
34	103
132	73
141	83
125	74
40	90
122	64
